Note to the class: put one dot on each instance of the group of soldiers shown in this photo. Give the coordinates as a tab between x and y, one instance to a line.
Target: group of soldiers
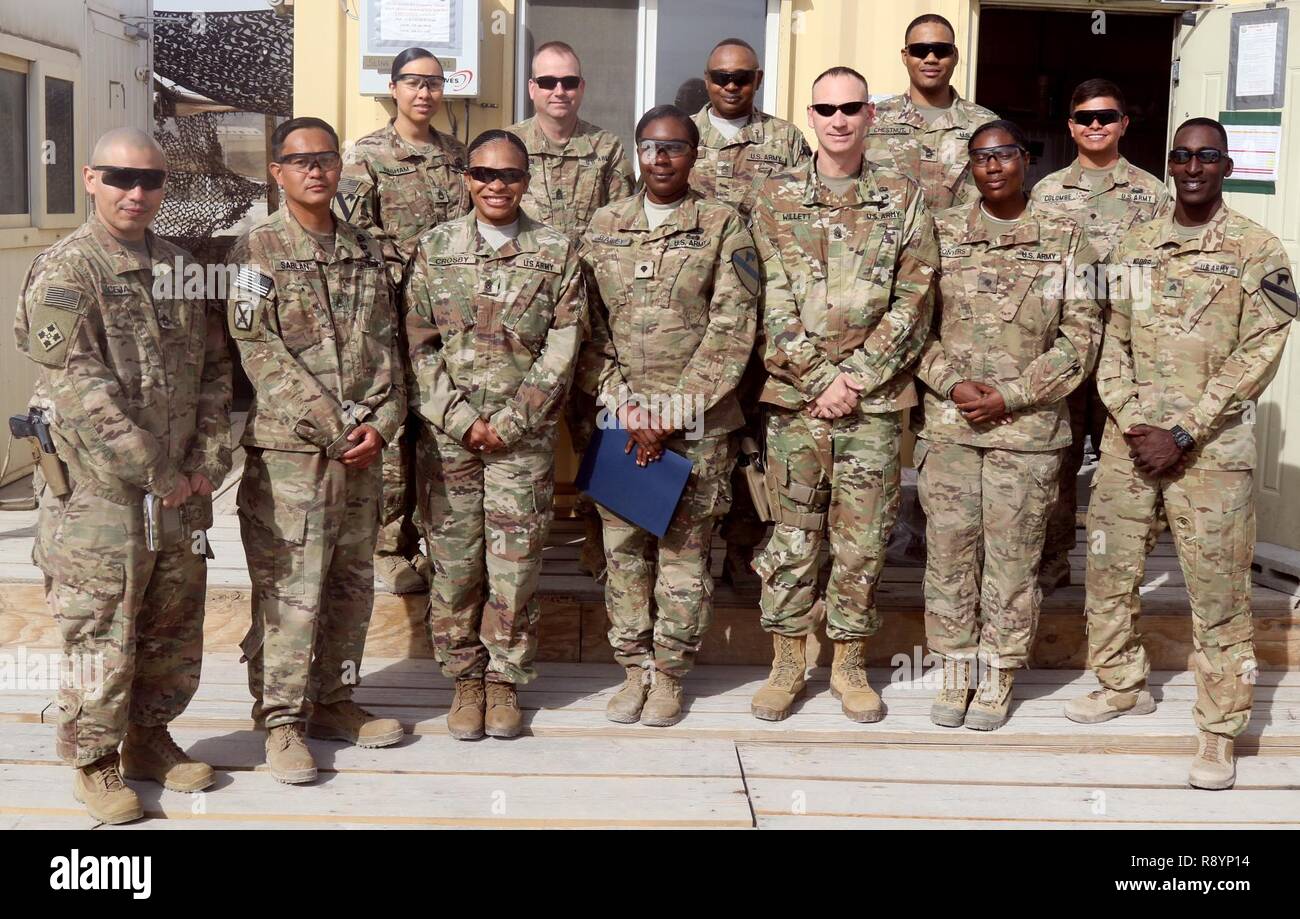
419	316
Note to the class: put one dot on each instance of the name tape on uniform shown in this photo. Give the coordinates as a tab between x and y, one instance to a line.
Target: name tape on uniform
604	240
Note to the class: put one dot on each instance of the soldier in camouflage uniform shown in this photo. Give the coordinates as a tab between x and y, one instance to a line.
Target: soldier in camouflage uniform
923	132
740	147
849	255
1106	195
135	380
1009	341
495	311
313	317
398	182
1185	356
576	168
677	277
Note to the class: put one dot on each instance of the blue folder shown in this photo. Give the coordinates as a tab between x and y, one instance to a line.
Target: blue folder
645	496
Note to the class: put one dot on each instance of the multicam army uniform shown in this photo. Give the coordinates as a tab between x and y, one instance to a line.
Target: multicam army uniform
849	289
139	386
317	335
1127	197
568	184
493	334
1004	317
733	171
395	190
931	153
677	318
1197	354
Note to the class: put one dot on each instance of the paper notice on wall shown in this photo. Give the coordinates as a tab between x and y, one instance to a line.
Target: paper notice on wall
416	22
1255	150
1256	58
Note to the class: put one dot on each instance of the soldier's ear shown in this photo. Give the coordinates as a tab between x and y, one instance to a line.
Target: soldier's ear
1227	170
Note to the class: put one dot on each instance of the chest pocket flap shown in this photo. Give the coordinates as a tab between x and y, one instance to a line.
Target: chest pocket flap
1199	299
1019	291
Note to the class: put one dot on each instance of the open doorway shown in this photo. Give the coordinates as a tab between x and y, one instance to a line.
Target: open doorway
1030	60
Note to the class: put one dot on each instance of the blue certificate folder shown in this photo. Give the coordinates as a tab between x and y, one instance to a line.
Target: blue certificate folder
644	496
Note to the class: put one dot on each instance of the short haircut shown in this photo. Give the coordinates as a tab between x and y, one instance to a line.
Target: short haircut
559	47
676	114
1094	88
843	72
496	135
737	42
1206	123
1000	124
929	17
410	54
282	132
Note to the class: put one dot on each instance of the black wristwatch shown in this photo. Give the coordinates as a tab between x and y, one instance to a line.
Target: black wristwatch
1184	440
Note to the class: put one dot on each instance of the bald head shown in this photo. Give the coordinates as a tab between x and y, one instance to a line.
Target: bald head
128	147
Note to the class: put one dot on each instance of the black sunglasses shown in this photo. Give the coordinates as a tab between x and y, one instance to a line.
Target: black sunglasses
1207	155
433	83
487	175
1103	116
923	49
549	83
826	110
126	178
727	77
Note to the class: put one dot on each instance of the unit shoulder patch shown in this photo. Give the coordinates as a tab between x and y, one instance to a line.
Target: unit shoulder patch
745	262
1278	287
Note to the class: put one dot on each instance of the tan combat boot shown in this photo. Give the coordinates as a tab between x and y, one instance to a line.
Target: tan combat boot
849	683
465	720
287	755
150	753
397	575
503	717
624	707
664	705
1105	704
1215	767
992	703
949	708
345	720
99	786
786	682
591	559
1054	572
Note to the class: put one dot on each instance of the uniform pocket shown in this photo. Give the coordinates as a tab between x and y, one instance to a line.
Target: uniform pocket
87	591
276	547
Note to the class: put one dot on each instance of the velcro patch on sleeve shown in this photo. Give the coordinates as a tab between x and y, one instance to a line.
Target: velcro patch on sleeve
52	331
745	262
1278	287
244	320
250	279
65	298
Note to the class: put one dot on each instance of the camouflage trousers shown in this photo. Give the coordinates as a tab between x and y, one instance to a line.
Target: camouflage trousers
659	592
1212	515
1087	417
398	533
838	478
131	619
997	499
308	525
486	517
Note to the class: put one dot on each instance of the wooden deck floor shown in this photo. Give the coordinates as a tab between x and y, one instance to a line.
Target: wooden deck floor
718	768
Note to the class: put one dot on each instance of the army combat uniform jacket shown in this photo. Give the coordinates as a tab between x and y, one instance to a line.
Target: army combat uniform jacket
932	154
733	171
1127	197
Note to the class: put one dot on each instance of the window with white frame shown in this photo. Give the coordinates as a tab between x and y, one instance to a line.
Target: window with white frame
637	54
40	148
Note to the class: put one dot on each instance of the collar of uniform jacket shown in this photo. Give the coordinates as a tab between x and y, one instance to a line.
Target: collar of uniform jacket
403	149
977	230
122	258
1075	177
865	189
578	145
304	249
908	113
755	132
631	215
468	238
1210	240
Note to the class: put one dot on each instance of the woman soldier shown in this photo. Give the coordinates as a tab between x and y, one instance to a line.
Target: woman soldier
494	310
677	276
398	182
1014	332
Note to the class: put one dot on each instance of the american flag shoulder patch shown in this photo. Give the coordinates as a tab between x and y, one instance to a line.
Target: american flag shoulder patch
65	298
349	185
249	278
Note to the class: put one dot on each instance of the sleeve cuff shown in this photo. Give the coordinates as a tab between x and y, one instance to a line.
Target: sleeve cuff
340	444
1191	427
459	421
164	483
1013	396
507	426
815	382
948	384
